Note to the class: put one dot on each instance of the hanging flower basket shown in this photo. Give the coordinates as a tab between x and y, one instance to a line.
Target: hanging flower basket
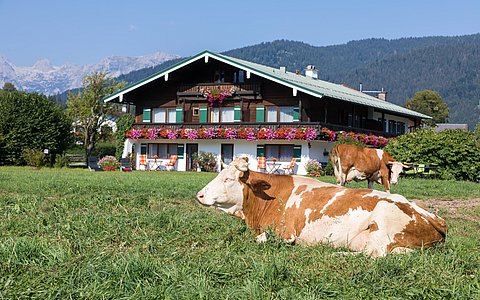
216	96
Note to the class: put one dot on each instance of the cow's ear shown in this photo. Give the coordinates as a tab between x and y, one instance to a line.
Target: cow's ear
241	164
259	185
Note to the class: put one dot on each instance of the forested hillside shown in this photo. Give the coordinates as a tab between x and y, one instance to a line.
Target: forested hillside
449	65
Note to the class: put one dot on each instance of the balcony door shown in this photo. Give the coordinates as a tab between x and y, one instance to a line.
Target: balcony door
191	149
227	153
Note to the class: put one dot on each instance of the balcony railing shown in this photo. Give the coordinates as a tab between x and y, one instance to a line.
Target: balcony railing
200	88
316	125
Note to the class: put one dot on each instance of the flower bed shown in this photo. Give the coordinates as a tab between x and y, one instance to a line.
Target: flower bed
252	134
313	168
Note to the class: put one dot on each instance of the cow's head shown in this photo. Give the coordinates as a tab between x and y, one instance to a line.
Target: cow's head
395	170
225	192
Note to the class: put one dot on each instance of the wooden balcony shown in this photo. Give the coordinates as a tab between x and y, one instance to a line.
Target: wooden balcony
316	125
238	89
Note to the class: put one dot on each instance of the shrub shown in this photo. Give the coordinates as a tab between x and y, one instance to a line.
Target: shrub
61	161
313	168
109	163
34	157
207	161
349	140
104	149
455	151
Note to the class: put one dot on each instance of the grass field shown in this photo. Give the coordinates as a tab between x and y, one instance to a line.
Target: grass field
79	234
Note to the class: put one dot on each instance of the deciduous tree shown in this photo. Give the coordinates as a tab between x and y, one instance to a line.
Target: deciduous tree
431	104
31	121
8	87
88	110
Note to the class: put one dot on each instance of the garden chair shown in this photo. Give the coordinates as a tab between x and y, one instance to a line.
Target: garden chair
142	161
125	165
421	169
431	170
170	166
262	164
289	169
410	169
92	164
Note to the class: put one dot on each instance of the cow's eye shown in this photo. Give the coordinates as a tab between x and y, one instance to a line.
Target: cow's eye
228	179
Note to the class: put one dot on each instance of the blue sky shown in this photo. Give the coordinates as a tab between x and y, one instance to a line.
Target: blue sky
85	31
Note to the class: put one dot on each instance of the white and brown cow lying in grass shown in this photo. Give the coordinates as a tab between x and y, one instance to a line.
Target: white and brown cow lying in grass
305	210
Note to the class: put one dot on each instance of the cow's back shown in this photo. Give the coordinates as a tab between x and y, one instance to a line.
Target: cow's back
360	219
348	156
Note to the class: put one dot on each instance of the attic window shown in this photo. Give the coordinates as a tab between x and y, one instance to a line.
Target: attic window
219	77
239	76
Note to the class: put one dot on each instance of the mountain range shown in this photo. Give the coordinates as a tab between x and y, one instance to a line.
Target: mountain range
47	79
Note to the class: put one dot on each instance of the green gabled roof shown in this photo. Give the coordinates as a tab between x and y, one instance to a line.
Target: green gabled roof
315	87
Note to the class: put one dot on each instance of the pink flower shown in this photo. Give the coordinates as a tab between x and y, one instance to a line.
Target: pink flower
152	134
230	133
172	134
290	134
251	135
210	133
310	134
192	134
135	134
270	134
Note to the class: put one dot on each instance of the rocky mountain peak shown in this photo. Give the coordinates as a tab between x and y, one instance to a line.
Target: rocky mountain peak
45	78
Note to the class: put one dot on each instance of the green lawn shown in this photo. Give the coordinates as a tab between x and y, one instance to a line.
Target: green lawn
140	235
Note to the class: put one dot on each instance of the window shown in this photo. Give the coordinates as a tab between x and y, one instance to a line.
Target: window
281	152
196	111
391	126
159	115
349	119
164	115
239	76
227	114
271	114
219	77
286	113
162	150
215	115
172	115
400	127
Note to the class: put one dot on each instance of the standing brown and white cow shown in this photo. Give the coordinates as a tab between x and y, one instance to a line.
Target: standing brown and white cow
305	210
351	162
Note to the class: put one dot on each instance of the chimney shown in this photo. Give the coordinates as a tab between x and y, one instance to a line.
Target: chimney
311	72
382	95
283	69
